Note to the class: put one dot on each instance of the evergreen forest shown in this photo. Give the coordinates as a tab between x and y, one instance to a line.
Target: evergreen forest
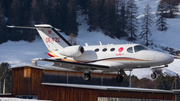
116	18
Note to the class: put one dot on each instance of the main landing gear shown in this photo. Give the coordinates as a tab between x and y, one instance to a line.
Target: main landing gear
87	76
119	78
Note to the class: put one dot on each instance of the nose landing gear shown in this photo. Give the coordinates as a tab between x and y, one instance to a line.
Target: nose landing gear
153	75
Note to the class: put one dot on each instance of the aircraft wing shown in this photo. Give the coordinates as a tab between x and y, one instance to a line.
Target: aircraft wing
75	65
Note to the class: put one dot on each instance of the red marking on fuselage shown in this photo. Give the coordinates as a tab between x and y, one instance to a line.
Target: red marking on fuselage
119	54
120	49
51	55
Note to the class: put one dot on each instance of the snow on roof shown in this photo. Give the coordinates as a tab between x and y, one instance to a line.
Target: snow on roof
43	67
111	88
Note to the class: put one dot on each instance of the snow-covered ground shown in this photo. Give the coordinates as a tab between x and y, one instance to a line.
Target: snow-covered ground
21	53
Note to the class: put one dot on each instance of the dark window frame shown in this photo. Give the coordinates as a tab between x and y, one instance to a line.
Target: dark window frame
104	49
131	50
96	50
112	49
138	48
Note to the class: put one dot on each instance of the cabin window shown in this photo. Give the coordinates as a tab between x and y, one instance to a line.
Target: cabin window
96	50
112	49
139	48
105	49
130	50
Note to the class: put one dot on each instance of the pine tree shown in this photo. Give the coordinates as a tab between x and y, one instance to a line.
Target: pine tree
162	83
42	10
93	15
56	20
161	21
15	18
34	12
6	73
176	83
27	34
72	25
84	6
52	12
125	82
108	18
16	13
6	4
112	25
102	14
122	18
26	6
132	22
121	11
147	23
63	13
3	35
170	7
165	83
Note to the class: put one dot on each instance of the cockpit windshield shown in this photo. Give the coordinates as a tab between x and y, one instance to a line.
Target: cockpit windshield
139	48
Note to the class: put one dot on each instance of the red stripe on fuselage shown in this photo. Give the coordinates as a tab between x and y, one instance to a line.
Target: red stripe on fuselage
112	59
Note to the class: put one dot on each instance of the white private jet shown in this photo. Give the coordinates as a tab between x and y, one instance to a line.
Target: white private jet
107	58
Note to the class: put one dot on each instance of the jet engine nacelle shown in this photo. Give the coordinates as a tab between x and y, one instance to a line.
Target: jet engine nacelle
72	51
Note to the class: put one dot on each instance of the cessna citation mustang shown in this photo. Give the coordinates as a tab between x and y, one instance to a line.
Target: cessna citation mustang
107	58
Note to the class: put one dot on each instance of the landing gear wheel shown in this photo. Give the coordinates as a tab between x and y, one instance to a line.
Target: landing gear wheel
119	78
87	76
153	75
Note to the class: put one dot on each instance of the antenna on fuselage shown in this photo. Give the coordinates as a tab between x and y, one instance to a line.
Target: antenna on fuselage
86	44
100	43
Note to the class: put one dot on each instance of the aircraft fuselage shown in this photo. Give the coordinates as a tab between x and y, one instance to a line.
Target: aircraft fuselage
127	56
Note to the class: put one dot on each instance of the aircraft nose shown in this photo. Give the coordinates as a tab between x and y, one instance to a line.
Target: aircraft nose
165	58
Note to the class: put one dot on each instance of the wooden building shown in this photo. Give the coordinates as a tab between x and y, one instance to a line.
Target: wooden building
52	83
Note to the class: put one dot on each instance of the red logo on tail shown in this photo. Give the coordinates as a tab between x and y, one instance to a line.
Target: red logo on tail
49	32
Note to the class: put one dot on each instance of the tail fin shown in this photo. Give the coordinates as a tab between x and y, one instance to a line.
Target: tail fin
51	37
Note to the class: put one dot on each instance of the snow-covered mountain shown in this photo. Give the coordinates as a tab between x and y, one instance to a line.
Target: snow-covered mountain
21	53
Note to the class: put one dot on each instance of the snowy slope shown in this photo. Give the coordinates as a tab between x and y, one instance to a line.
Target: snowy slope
169	38
20	53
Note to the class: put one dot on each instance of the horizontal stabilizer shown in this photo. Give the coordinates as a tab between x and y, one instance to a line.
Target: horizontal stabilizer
30	27
34	27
